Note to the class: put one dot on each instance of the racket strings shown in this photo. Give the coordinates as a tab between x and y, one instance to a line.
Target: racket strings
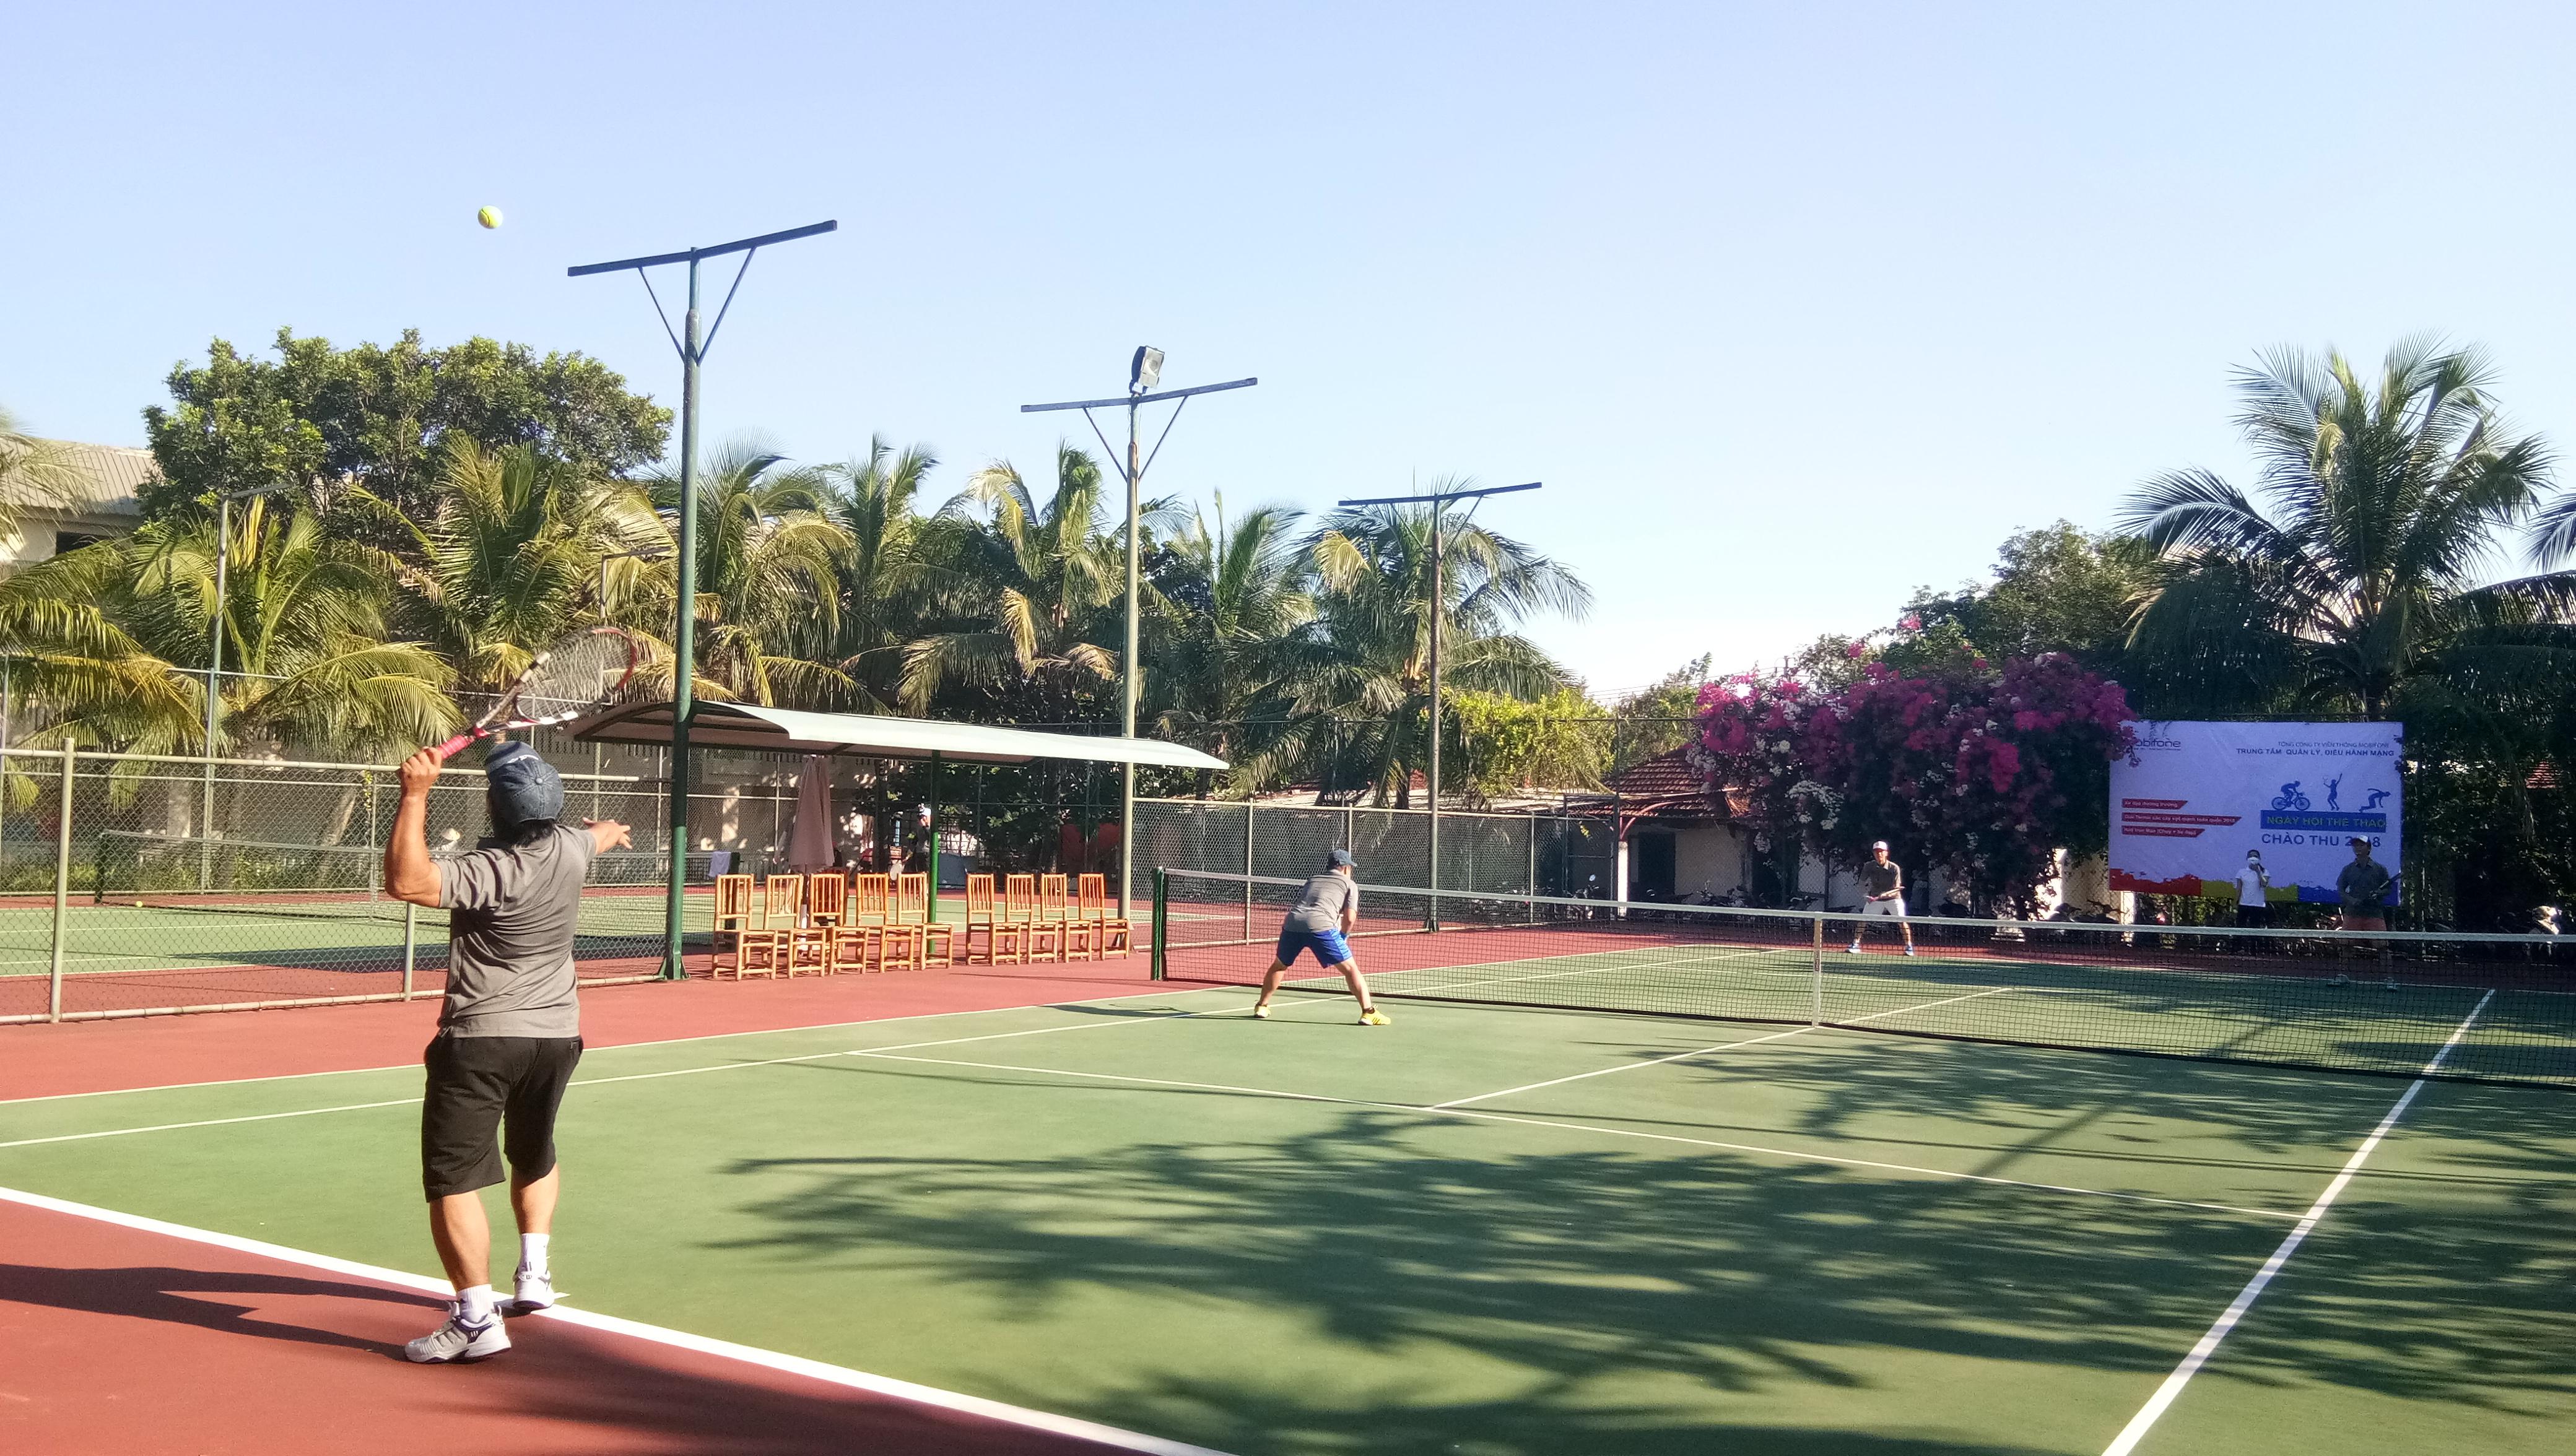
577	675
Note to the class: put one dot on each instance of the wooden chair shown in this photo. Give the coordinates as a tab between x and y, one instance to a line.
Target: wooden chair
915	906
810	944
1051	930
1019	916
862	930
741	947
1108	932
782	915
980	909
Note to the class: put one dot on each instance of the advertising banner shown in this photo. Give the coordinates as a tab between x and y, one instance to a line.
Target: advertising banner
2192	798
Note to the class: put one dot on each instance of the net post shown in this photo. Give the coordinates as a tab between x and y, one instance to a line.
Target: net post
1248	817
1160	961
62	886
411	944
1816	976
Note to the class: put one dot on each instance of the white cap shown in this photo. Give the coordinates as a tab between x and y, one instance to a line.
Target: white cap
1882	844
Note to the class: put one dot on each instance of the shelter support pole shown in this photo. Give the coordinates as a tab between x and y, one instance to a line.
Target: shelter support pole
62	886
931	832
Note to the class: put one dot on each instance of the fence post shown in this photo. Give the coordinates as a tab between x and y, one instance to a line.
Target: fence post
1816	980
62	886
1247	871
411	944
1530	885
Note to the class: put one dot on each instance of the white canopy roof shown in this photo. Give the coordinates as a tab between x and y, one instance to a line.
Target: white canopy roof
786	730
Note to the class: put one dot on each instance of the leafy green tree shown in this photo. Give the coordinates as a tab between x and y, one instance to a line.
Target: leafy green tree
886	572
374	417
1658	719
1501	744
2055	589
1225	597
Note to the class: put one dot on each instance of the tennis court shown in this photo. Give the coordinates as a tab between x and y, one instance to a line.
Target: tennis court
1491	1228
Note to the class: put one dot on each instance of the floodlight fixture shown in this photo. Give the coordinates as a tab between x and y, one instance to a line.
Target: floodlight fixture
1148	368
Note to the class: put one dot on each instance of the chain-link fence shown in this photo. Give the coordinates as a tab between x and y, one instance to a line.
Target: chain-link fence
1500	854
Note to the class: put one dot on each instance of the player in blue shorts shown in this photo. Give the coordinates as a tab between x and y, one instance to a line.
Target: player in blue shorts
1325	914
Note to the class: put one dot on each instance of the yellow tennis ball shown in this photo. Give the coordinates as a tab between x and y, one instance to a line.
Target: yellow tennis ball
490	217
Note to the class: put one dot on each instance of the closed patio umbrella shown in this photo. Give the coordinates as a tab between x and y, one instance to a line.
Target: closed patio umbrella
809	841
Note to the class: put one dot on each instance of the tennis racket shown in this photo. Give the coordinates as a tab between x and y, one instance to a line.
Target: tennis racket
573	677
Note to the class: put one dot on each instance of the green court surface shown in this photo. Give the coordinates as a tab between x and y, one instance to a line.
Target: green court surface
1488	1230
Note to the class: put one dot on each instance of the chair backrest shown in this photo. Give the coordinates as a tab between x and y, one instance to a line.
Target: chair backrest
1020	899
979	899
1091	897
733	901
1051	905
825	898
912	900
786	896
869	896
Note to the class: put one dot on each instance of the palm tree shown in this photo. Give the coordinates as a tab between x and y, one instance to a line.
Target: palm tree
1226	598
885	573
2371	560
768	601
35	475
120	632
1360	677
513	558
1020	587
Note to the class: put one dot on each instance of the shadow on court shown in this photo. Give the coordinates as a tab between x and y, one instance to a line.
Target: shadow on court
1647	1300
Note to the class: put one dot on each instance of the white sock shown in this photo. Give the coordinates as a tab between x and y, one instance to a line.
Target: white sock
476	1303
532	1252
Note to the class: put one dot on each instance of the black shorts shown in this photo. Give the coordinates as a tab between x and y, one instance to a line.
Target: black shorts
478	1084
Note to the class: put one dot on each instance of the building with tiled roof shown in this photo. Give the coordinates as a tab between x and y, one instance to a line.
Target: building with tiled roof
103	506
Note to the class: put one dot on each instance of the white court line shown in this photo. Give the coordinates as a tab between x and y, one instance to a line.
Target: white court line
1720	1047
1445	1111
975	1405
2145	1419
75	1137
621	1046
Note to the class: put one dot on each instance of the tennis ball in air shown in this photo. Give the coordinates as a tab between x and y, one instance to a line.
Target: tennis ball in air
490	217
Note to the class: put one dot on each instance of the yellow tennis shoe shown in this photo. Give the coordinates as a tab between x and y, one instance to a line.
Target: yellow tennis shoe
1373	1017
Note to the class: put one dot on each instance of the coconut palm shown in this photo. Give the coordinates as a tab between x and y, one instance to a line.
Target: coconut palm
514	556
768	595
2388	508
1227	596
885	573
35	475
120	632
1019	590
1357	682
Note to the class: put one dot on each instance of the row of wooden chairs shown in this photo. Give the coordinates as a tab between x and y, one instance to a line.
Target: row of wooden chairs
1034	919
824	924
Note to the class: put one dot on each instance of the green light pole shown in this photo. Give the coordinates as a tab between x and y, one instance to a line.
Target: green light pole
1143	373
684	657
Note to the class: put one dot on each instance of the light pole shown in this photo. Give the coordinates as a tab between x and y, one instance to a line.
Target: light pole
1143	373
215	663
1439	609
684	665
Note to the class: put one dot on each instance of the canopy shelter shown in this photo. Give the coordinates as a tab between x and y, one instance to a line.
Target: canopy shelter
861	735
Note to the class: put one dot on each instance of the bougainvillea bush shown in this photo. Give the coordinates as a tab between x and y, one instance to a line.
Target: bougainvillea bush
1982	772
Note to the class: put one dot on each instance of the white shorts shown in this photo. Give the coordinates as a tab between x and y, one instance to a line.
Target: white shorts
1892	908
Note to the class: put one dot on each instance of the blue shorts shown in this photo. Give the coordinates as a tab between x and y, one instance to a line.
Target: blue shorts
1329	947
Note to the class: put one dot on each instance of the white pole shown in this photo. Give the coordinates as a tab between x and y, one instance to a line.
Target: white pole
62	886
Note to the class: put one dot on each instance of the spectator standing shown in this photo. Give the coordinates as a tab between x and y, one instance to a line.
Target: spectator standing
2363	889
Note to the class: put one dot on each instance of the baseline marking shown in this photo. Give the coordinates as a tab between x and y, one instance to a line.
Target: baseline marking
2145	1420
886	1385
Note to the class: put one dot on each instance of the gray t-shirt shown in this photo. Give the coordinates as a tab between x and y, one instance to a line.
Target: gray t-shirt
1882	879
1320	907
2363	885
511	912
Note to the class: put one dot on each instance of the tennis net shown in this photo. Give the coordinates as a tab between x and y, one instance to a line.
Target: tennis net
2490	1007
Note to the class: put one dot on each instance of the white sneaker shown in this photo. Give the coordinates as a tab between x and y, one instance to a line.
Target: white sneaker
458	1341
533	1292
1852	949
1909	950
1261	1013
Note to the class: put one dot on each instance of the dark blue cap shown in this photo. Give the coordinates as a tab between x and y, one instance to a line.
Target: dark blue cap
521	787
1339	859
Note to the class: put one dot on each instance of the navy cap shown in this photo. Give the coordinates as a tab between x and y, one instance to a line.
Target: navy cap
521	787
1339	859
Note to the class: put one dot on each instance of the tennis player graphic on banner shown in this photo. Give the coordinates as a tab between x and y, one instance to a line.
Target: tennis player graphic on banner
2193	800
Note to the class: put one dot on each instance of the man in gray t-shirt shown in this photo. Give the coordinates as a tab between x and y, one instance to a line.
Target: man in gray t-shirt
1327	910
509	1034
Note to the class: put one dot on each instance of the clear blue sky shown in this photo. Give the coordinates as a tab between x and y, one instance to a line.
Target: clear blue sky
1793	308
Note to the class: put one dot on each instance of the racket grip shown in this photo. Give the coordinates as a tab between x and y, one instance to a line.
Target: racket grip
450	747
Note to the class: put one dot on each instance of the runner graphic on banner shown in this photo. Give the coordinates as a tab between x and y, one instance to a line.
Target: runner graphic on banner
2192	798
